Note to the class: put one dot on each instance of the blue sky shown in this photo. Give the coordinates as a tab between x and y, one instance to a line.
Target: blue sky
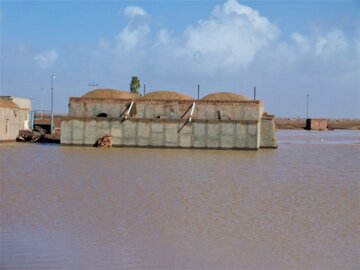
287	49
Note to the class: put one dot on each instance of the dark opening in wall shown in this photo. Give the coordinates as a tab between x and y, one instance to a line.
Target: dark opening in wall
102	115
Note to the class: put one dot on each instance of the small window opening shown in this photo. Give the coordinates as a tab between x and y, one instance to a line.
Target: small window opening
102	115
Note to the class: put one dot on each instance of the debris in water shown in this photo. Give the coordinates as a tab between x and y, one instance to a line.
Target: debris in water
31	135
105	141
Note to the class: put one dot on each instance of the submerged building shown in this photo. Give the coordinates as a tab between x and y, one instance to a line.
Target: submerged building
14	116
168	119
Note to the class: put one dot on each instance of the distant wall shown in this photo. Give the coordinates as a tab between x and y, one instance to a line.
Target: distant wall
169	109
316	124
224	134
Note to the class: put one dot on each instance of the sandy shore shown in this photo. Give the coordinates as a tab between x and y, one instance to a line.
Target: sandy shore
300	123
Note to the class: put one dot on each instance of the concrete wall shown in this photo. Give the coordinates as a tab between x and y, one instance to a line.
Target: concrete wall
224	134
11	121
160	123
23	103
241	110
267	133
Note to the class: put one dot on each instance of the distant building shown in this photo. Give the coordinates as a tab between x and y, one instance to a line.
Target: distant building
168	119
316	124
14	116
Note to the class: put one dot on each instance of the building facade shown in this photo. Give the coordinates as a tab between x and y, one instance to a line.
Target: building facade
219	123
15	115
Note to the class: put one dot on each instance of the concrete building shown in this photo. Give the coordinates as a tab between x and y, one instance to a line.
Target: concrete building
316	124
168	119
14	116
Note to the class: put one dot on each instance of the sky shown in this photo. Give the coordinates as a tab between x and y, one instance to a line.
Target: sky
287	49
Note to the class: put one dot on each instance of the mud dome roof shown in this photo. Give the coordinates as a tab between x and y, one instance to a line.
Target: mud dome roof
110	94
222	96
5	102
166	95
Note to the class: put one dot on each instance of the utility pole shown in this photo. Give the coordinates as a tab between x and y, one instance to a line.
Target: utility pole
198	93
52	104
42	103
31	116
254	92
307	106
144	89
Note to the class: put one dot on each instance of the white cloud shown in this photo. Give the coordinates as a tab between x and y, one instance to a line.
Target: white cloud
135	33
331	43
162	38
134	11
130	37
235	46
232	49
46	59
233	39
103	44
330	50
357	44
230	37
301	42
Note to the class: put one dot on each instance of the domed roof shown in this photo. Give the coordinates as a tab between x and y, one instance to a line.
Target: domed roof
166	95
110	94
5	102
225	96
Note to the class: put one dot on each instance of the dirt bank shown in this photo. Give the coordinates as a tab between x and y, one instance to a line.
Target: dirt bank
300	123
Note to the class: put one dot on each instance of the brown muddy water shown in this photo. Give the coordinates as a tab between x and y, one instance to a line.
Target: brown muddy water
296	207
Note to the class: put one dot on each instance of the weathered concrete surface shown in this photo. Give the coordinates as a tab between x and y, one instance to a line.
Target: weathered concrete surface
163	123
237	110
218	134
267	133
14	118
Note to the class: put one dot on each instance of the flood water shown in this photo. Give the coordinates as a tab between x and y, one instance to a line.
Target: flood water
296	207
